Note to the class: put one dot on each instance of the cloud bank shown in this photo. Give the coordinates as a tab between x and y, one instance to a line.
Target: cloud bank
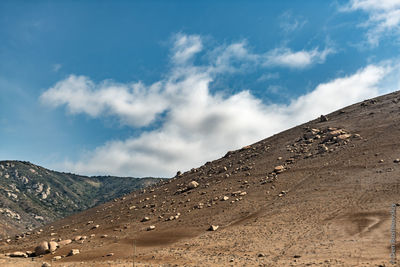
194	125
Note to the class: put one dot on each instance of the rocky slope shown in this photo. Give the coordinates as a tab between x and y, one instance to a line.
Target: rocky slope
318	194
31	195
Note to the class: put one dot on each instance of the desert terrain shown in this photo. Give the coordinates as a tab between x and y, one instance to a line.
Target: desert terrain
319	194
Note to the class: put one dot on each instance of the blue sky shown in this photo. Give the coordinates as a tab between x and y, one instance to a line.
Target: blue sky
146	88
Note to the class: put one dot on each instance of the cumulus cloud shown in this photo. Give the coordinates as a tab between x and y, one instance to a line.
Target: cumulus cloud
384	17
196	125
135	104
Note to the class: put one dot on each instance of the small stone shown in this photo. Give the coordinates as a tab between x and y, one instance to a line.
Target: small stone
396	161
260	255
279	169
193	184
323	118
103	236
151	227
145	219
73	251
95	227
381	161
110	254
213	228
56	258
30	253
77	238
343	137
18	254
64	242
224	198
46	264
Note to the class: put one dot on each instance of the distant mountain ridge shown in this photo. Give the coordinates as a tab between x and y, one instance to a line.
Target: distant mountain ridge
31	195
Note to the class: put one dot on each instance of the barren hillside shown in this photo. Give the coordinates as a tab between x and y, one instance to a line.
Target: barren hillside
317	194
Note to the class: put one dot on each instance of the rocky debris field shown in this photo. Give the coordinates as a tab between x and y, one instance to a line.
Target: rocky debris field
318	194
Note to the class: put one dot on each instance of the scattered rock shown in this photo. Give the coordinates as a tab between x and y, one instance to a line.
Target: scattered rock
193	184
145	219
279	169
151	227
77	238
396	161
224	198
110	254
30	253
343	137
46	264
73	251
18	254
53	246
213	228
56	258
323	118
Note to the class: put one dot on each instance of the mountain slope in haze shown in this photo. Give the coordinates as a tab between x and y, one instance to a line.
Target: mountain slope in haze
318	194
31	195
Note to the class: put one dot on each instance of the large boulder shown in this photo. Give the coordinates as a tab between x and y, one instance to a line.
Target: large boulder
42	248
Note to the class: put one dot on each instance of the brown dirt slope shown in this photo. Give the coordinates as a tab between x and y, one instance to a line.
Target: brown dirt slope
328	206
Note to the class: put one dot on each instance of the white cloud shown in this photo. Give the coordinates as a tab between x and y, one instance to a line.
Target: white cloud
185	47
384	17
134	104
197	125
285	57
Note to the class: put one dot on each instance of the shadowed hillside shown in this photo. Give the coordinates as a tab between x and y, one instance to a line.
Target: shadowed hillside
31	195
